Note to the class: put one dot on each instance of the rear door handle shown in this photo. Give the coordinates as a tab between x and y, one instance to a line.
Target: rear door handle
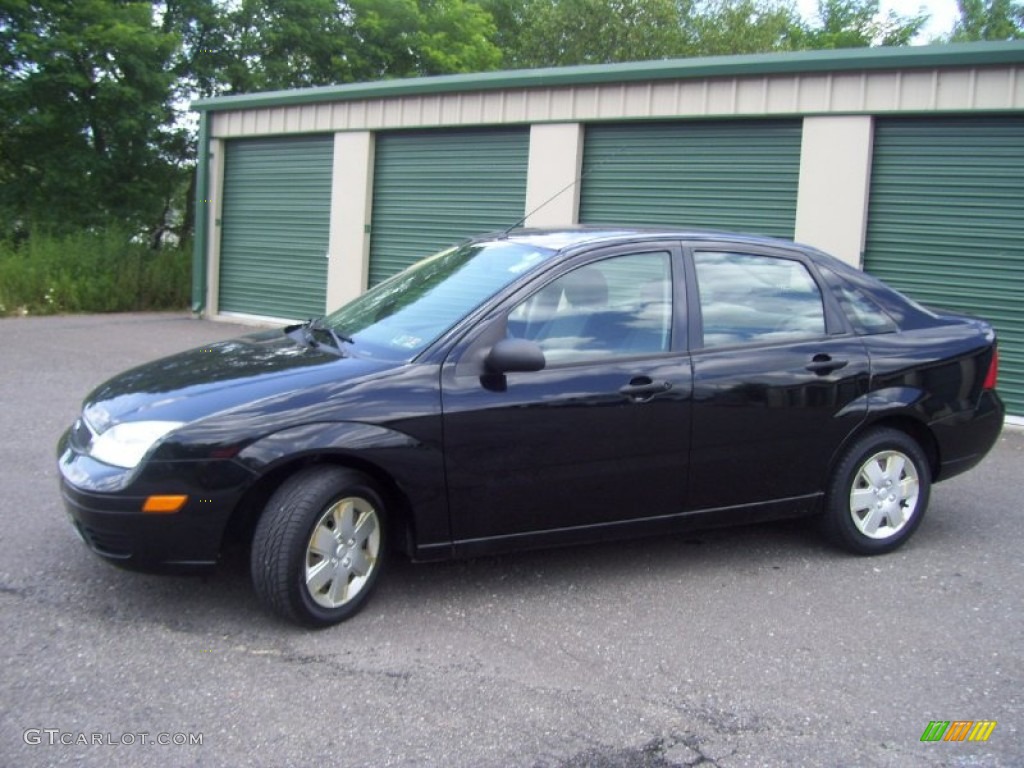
642	388
822	364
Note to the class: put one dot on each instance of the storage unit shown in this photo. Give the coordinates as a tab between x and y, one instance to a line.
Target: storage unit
903	160
434	188
946	223
740	176
275	223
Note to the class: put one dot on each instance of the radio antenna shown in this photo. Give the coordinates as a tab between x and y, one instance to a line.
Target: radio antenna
564	189
567	187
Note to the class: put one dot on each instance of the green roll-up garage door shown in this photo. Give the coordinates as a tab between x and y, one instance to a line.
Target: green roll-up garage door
275	222
946	223
434	188
740	176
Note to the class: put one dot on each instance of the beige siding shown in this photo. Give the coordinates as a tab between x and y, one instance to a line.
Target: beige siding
996	88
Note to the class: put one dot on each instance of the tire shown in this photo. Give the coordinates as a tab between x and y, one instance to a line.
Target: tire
878	493
320	546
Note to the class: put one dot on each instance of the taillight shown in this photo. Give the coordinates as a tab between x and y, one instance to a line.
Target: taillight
993	370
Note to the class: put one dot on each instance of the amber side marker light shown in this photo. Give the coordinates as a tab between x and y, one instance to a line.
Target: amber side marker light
164	505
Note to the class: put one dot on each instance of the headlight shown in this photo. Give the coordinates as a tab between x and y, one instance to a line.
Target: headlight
124	445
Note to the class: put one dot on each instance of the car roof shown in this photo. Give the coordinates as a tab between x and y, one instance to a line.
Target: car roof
560	238
566	239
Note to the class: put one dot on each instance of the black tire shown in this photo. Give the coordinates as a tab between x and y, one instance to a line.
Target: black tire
878	493
302	566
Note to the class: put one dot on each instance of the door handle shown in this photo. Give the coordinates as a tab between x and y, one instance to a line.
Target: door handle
822	364
642	388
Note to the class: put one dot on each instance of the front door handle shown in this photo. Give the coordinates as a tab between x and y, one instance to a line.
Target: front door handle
642	388
822	364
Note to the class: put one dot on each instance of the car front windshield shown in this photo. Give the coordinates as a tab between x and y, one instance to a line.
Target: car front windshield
398	318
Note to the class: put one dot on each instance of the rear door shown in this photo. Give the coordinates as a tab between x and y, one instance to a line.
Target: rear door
776	373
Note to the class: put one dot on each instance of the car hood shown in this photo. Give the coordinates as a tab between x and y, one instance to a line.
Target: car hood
207	380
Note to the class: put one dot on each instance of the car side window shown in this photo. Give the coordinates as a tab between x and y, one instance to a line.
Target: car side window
748	298
617	307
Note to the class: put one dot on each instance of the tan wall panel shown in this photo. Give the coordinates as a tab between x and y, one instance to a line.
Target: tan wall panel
917	90
881	92
783	94
954	90
637	99
665	98
556	156
216	193
996	88
720	97
835	173
848	92
992	89
813	94
351	211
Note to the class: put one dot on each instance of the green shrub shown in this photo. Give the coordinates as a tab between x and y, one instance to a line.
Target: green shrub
92	272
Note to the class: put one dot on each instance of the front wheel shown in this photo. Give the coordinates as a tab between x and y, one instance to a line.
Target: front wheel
878	494
319	547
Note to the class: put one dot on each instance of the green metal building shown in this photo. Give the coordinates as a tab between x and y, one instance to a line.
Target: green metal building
907	162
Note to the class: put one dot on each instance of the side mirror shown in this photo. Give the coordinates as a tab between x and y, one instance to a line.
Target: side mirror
515	356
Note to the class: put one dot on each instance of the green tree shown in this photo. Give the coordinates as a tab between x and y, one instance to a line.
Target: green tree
858	24
545	33
726	27
538	33
84	110
989	20
406	38
94	93
275	44
204	50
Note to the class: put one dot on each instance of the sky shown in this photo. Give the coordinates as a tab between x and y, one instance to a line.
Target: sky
943	13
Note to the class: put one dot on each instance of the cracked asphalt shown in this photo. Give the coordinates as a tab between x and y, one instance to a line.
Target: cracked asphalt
755	646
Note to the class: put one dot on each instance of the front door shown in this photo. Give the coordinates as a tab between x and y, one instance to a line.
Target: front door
601	434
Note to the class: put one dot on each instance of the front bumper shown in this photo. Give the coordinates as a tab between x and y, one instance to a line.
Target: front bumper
113	525
180	542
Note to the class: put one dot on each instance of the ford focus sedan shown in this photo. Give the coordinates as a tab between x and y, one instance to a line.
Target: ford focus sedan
537	388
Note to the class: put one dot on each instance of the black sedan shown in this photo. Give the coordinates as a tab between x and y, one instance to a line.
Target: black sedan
536	388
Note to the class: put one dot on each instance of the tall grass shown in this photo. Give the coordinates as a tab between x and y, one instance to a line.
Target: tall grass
91	272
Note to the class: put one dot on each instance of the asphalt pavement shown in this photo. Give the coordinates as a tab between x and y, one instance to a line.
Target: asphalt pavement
756	646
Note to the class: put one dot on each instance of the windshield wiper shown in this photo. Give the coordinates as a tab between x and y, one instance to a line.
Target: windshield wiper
308	328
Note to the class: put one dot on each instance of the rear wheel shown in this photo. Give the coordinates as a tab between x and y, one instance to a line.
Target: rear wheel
319	547
878	494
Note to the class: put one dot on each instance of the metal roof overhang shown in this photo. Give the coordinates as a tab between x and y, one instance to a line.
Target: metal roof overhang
808	62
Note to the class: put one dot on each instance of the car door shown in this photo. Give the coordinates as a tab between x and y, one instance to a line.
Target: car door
776	373
600	435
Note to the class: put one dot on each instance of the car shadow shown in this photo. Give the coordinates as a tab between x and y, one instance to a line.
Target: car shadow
752	548
223	602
